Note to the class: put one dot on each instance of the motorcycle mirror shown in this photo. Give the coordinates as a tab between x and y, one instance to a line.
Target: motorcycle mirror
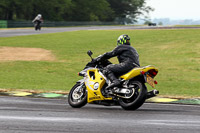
89	53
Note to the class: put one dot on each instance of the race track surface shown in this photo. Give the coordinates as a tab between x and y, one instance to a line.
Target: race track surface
30	115
31	31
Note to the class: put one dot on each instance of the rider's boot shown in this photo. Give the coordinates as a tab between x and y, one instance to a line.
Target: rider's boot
114	81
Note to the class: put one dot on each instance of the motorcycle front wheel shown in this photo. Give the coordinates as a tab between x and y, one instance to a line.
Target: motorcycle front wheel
77	97
138	98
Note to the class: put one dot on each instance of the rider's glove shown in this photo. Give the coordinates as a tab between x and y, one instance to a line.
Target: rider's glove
98	59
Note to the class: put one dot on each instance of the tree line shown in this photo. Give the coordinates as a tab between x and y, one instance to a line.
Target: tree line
73	10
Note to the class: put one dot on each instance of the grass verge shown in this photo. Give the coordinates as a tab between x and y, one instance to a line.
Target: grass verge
176	53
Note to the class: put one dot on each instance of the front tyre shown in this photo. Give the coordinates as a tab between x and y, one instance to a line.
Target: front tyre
138	97
77	97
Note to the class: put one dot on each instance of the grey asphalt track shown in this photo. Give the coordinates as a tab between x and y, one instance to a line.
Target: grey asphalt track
30	115
31	31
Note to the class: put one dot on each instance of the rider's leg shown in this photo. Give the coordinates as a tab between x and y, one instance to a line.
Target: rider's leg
114	81
116	69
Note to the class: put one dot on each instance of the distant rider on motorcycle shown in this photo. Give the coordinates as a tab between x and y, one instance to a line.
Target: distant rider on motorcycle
128	59
38	20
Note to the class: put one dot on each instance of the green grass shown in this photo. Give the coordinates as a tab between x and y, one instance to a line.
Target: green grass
176	53
187	25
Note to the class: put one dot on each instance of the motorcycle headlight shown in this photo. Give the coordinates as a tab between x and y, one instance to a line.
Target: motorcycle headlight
96	85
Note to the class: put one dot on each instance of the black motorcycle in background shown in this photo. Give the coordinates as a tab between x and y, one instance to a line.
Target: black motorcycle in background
37	24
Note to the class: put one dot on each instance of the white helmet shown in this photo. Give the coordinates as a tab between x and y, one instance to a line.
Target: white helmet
39	15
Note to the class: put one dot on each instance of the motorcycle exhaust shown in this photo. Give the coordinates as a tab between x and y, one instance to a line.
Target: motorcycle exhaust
152	93
121	92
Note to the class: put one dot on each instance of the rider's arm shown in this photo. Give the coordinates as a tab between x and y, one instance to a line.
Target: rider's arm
34	19
112	53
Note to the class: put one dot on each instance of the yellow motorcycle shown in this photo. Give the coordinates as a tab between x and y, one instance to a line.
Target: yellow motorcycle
130	95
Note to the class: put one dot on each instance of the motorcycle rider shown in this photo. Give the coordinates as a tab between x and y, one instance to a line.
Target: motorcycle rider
38	19
128	59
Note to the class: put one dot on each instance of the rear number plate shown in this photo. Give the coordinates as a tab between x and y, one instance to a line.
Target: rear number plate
150	81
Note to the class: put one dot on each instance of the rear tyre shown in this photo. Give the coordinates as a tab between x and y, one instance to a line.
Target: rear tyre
138	97
77	97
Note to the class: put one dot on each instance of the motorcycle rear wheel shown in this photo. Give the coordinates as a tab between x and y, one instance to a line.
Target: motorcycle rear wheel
77	97
137	99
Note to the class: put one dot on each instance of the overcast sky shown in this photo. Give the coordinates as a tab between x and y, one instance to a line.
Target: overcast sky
175	9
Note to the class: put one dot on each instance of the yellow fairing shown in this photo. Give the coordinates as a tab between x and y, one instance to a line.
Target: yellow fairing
94	81
136	71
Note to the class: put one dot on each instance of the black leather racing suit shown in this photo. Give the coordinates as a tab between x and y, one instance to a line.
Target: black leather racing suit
128	59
